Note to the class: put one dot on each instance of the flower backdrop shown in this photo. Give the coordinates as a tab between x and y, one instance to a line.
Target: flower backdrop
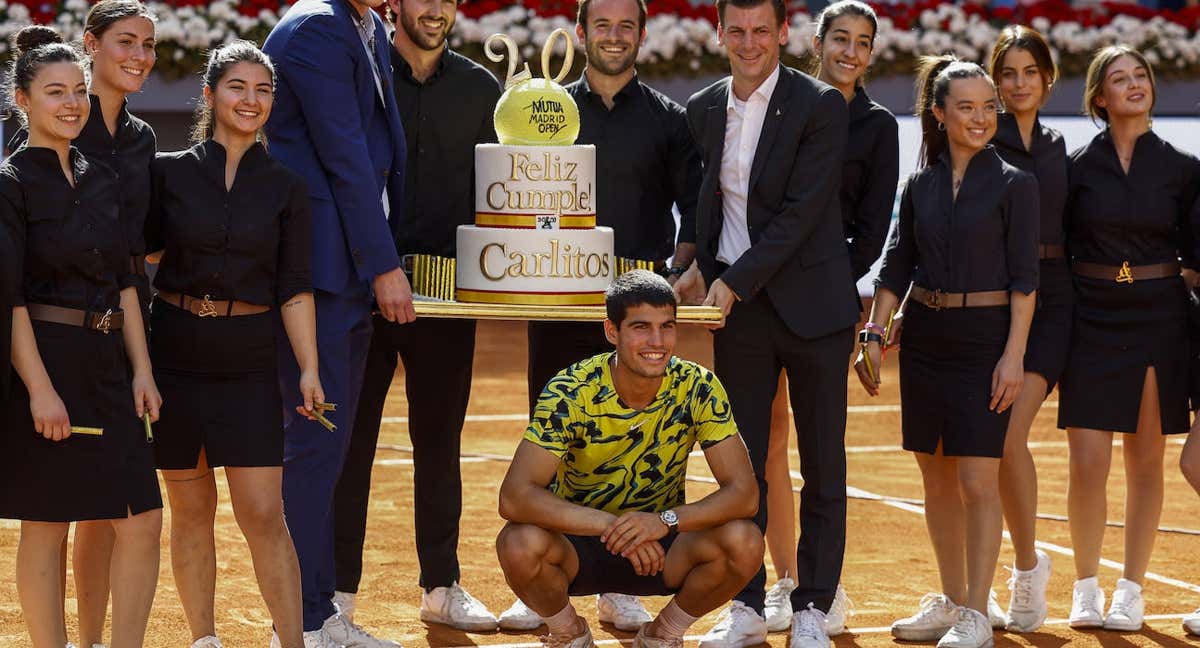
682	36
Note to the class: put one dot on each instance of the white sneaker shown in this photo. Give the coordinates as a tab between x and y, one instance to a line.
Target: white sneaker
312	639
1191	623
1027	595
343	632
1087	604
737	627
1125	612
777	609
842	609
625	612
643	640
519	617
935	615
454	607
971	630
808	629
344	602
207	642
582	641
996	614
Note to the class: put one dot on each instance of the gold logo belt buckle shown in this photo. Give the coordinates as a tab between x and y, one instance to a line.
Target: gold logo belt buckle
207	308
105	323
935	300
1125	274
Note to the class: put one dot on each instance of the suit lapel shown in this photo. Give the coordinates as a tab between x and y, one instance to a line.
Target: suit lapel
776	110
714	136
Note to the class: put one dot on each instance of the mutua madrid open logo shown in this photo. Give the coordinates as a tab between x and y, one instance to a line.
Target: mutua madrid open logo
548	115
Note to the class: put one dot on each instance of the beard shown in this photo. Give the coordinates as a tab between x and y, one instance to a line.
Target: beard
598	60
409	24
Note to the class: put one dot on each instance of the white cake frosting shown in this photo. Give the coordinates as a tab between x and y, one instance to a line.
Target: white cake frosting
516	184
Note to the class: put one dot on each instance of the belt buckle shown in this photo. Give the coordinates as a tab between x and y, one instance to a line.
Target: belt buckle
1125	274
105	323
935	300
207	308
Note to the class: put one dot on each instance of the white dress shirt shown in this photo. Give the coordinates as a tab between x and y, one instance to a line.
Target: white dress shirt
743	126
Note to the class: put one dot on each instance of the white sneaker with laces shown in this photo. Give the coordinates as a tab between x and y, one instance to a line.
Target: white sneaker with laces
842	609
343	632
623	611
582	641
643	640
935	615
1127	608
454	607
777	608
345	603
737	627
1087	604
207	642
971	630
808	629
1027	595
1191	623
519	617
996	614
312	639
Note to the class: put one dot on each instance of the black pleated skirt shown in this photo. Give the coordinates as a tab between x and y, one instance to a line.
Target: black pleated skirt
946	362
220	389
1120	330
83	477
1050	333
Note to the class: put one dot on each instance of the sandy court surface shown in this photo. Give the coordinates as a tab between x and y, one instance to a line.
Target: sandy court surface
888	561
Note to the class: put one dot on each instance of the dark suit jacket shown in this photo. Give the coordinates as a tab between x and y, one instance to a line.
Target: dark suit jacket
798	253
330	126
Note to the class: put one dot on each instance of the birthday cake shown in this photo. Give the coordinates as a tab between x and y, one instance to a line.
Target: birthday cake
535	239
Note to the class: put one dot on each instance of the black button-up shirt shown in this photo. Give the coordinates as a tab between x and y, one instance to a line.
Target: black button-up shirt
444	118
1141	217
870	171
71	244
986	239
128	153
645	162
252	243
1046	159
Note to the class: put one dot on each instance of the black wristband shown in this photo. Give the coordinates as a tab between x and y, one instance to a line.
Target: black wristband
673	271
865	336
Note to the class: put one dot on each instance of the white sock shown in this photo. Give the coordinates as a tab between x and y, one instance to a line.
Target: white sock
564	623
673	622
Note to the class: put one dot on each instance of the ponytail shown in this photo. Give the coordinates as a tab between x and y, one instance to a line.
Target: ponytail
934	74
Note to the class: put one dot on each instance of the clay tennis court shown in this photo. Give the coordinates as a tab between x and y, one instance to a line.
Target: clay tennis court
888	561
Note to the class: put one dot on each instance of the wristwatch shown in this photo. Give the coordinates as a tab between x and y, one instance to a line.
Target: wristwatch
669	518
673	271
865	336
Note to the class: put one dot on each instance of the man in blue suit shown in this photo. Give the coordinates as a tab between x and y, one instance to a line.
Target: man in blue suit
335	123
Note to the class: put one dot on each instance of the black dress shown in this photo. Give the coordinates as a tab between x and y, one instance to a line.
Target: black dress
870	172
1046	159
986	239
1121	329
73	253
252	243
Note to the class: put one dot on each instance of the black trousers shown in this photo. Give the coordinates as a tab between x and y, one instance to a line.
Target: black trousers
749	353
554	346
437	356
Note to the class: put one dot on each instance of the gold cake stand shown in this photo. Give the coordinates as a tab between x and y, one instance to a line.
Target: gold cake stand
463	310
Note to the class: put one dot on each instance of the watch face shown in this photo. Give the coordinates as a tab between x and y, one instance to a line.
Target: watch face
669	518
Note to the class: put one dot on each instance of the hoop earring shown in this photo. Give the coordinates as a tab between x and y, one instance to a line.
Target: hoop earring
941	126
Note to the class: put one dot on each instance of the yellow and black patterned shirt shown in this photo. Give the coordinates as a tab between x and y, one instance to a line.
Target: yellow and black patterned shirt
619	459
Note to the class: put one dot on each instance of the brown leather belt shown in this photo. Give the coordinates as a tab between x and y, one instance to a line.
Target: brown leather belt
1051	251
110	320
1126	273
938	300
205	307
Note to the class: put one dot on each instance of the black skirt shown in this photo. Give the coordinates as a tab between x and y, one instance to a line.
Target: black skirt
1050	332
220	389
1121	330
946	362
83	477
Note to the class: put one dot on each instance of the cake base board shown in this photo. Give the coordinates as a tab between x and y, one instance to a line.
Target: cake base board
465	310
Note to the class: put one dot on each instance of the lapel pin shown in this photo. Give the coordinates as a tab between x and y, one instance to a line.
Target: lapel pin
778	112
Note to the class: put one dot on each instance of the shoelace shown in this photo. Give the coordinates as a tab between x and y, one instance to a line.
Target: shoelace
727	617
842	600
930	603
1021	587
1087	603
810	623
458	597
1122	603
965	625
625	603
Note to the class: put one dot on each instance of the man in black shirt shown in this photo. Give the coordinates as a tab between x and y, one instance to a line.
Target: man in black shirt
645	162
446	103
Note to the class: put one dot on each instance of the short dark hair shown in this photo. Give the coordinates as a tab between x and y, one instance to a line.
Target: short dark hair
780	7
581	15
636	288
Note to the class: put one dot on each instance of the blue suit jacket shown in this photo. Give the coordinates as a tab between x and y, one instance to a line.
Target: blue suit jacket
324	126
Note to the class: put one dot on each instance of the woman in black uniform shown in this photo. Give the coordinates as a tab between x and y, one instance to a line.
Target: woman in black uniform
76	446
1024	71
967	241
870	169
235	226
1128	230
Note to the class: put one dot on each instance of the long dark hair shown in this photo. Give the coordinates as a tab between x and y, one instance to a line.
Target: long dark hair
934	75
220	61
34	47
837	10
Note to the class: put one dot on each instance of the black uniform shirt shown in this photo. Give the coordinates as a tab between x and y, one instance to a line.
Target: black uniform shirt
1142	217
252	243
444	118
869	175
645	162
71	244
1046	159
128	154
986	239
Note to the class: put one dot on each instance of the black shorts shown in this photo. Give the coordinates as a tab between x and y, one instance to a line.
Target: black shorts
601	571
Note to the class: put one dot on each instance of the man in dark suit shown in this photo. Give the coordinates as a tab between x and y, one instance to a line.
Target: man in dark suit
771	252
336	124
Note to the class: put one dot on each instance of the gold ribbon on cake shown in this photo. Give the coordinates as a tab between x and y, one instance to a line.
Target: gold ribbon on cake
534	221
